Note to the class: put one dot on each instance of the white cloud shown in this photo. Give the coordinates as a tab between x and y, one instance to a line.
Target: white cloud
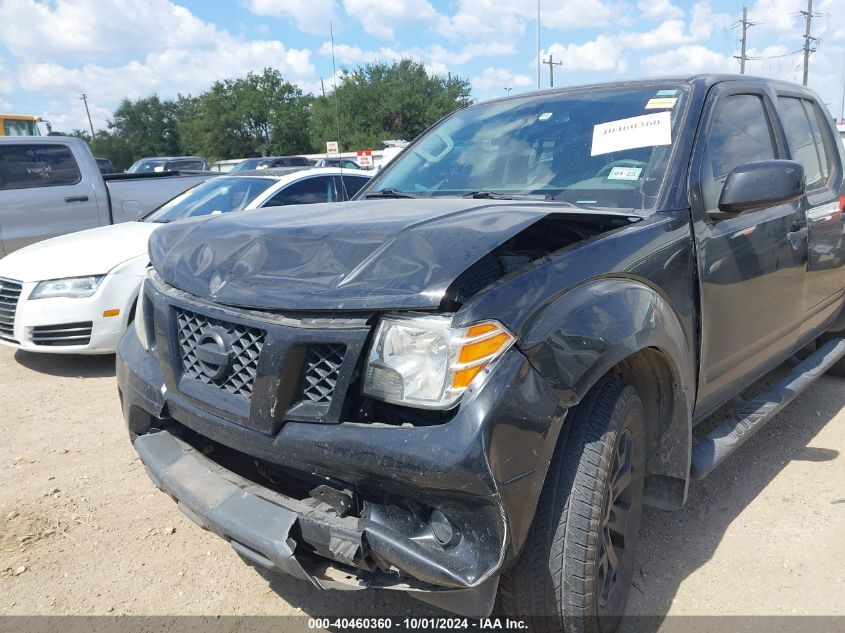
433	57
114	48
601	54
381	18
311	16
704	22
87	30
495	80
689	59
668	33
659	9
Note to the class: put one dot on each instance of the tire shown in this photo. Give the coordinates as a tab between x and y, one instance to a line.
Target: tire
564	579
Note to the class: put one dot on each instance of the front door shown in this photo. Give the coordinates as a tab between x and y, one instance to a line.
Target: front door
752	268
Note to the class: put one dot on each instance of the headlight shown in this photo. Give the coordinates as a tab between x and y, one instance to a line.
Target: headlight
424	362
72	287
141	319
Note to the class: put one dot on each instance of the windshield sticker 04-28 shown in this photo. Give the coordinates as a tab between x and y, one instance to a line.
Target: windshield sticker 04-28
647	130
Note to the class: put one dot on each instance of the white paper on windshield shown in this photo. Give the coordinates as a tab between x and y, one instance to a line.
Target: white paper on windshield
647	130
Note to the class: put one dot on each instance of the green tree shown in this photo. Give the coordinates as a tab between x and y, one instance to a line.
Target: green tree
147	126
383	101
261	114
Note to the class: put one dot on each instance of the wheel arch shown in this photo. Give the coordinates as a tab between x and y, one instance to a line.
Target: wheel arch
627	329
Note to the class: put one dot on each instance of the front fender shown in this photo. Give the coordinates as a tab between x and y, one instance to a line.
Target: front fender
583	333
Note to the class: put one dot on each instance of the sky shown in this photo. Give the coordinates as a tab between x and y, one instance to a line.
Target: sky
53	51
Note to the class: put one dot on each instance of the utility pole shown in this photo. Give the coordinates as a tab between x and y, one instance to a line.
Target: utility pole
808	16
742	57
552	65
85	99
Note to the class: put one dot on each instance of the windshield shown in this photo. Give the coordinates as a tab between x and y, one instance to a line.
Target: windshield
598	147
20	127
219	195
144	166
251	163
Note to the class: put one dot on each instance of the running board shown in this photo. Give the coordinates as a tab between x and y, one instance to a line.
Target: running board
733	432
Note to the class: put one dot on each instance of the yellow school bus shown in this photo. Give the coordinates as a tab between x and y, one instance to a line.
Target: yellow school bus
19	125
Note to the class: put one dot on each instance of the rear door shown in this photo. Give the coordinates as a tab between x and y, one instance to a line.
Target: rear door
811	141
44	192
752	268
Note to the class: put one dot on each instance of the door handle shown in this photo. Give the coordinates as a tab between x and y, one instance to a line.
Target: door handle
76	199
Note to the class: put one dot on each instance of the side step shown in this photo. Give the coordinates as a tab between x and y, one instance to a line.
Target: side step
733	432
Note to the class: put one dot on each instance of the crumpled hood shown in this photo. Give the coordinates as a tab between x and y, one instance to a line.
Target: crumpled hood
90	252
368	254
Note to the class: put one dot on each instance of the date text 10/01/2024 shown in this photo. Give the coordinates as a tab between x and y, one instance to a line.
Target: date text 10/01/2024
445	624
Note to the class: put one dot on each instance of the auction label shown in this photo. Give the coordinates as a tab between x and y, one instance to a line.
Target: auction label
647	130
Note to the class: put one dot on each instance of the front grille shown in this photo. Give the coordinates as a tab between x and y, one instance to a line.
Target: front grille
246	344
321	372
62	334
10	292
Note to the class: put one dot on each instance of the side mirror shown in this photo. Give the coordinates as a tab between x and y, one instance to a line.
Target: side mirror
758	185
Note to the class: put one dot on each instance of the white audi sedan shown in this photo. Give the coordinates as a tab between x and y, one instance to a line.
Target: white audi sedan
76	294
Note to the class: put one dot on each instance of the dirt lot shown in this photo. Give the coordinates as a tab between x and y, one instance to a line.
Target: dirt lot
83	531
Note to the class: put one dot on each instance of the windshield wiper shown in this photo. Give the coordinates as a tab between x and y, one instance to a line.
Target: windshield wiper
389	193
492	195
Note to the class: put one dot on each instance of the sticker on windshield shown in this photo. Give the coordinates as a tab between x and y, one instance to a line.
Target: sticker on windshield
647	130
666	93
664	102
625	173
545	116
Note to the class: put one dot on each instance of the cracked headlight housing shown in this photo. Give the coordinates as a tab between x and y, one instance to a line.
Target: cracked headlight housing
424	362
70	287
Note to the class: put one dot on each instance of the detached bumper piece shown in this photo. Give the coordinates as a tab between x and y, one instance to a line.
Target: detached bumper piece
303	538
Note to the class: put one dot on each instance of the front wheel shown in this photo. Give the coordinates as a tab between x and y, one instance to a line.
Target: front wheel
576	565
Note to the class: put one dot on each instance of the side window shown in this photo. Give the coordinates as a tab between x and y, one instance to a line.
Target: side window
824	139
305	191
740	133
352	184
26	166
802	141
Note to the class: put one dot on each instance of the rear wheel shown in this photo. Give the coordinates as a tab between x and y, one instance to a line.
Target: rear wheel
576	566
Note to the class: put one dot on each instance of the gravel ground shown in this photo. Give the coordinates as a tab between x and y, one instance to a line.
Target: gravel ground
84	532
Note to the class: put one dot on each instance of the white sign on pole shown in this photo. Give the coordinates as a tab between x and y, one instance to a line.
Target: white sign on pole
331	147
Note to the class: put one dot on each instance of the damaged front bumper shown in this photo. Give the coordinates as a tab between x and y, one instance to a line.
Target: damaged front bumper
265	527
483	470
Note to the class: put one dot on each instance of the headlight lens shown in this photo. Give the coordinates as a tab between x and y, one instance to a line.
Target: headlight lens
72	287
141	319
424	362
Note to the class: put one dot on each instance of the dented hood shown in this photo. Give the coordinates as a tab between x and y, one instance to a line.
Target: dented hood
368	254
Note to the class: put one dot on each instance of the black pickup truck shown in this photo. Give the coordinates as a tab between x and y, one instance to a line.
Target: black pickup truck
468	382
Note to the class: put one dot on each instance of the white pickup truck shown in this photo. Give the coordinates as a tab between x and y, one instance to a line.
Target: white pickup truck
50	185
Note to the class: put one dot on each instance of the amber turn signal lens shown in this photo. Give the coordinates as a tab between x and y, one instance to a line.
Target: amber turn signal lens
483	343
111	313
471	352
462	377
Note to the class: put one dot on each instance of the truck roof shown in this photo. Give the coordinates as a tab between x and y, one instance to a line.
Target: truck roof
701	80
